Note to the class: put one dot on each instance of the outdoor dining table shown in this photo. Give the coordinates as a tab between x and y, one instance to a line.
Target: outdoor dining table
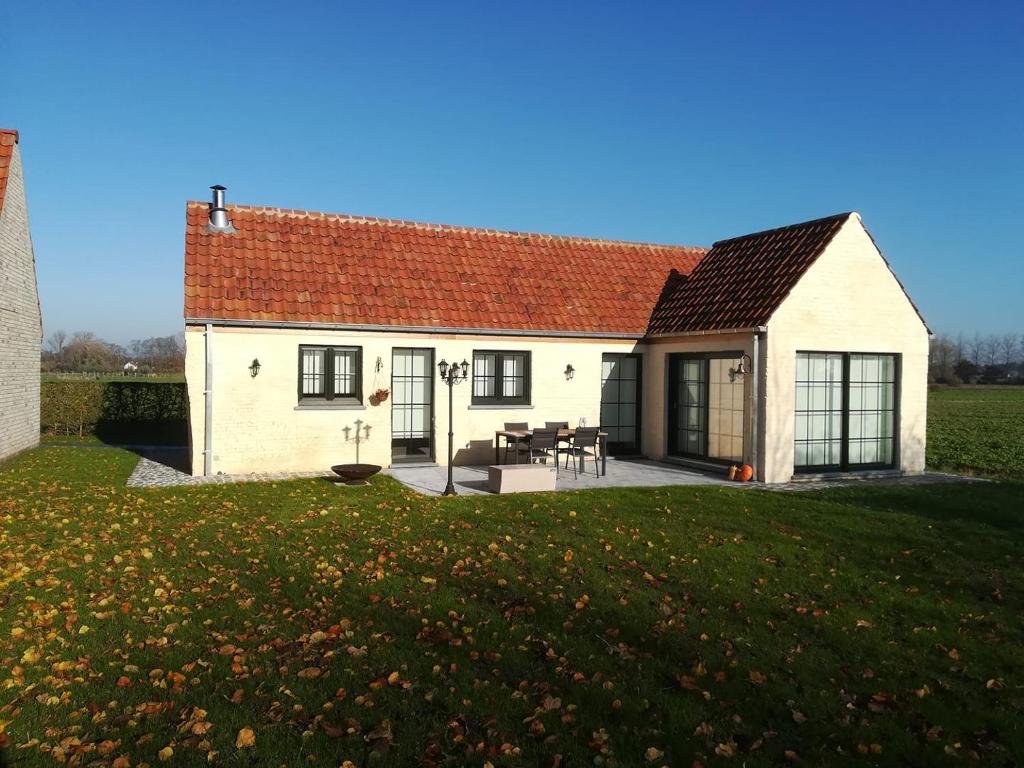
564	435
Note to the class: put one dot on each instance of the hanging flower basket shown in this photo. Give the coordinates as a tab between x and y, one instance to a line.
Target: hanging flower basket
381	395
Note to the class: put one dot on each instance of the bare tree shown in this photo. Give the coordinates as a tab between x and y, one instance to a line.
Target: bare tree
976	349
1007	348
56	342
161	354
991	349
942	359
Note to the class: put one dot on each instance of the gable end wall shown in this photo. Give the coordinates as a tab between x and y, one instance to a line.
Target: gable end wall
20	330
848	301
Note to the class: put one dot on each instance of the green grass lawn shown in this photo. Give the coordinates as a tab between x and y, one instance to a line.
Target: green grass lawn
70	440
979	430
657	626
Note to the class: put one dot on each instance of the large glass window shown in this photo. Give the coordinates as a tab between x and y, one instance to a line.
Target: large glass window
845	410
872	409
819	410
330	373
501	378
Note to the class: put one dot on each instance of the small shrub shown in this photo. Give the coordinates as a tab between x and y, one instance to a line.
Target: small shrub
70	407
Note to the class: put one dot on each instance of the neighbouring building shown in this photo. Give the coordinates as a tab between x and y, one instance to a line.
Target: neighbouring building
796	350
20	321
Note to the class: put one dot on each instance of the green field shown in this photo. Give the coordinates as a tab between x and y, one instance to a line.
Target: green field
863	626
977	430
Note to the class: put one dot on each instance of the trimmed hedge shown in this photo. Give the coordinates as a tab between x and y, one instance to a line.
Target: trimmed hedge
117	411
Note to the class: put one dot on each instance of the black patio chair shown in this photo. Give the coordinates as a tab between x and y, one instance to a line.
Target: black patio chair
584	444
522	444
558	425
544	445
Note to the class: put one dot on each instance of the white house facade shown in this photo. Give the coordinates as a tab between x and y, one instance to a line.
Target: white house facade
314	339
20	321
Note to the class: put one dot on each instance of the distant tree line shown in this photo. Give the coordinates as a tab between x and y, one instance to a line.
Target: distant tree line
977	359
84	352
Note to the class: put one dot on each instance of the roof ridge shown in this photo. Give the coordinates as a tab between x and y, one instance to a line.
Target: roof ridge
788	227
351	218
11	132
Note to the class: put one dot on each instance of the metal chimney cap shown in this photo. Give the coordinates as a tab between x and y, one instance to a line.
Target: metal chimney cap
219	221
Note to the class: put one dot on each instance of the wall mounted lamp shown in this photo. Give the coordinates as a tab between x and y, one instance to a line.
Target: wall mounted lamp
569	372
254	367
742	367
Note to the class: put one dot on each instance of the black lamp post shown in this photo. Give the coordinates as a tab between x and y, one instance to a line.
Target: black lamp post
451	375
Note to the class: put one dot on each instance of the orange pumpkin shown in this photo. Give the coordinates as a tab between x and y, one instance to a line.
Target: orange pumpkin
746	473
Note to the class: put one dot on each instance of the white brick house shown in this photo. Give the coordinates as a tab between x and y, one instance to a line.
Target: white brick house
795	350
20	320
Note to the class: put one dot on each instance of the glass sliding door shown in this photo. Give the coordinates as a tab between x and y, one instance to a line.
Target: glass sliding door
706	407
819	410
688	413
412	405
872	410
846	411
620	403
725	410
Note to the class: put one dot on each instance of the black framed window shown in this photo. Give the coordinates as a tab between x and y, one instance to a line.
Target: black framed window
706	406
501	378
846	410
330	373
621	376
872	410
818	430
691	401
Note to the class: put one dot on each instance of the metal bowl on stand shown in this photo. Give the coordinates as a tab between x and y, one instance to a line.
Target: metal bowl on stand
355	474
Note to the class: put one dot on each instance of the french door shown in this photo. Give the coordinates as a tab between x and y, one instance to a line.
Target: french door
412	404
705	407
620	402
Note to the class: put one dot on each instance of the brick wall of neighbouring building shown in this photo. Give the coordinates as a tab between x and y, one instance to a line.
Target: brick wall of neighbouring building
20	329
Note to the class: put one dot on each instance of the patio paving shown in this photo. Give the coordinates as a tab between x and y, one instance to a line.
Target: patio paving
638	473
622	473
162	467
895	478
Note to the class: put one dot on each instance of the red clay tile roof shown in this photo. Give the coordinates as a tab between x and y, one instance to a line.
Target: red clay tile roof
741	282
303	267
8	138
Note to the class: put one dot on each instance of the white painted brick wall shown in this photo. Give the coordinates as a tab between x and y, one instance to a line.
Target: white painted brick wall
256	427
848	301
20	330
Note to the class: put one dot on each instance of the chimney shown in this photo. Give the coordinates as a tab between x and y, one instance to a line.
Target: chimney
219	221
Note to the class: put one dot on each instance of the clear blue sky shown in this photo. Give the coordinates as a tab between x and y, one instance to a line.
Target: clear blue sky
675	122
